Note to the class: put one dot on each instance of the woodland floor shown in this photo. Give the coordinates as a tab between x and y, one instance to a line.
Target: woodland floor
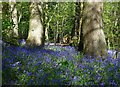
57	65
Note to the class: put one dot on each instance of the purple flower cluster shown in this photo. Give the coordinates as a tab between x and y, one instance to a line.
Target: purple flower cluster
58	65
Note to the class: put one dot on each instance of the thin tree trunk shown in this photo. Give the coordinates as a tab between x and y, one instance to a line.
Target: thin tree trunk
80	23
55	36
0	9
57	33
46	32
1	19
61	33
80	46
76	20
14	18
118	24
47	23
73	30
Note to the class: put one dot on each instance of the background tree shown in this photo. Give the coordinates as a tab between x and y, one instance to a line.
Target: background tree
10	24
75	29
59	21
93	36
36	30
1	18
14	17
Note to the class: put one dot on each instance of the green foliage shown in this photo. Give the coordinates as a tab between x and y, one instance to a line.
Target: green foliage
7	34
63	13
111	24
23	9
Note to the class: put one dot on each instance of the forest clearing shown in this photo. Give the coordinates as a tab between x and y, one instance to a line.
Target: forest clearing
60	43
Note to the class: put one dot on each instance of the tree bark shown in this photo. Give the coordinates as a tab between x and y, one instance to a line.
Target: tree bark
76	21
36	31
93	38
1	19
80	48
118	24
1	10
47	22
14	17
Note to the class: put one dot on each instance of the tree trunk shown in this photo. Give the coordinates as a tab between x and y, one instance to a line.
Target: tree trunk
76	20
46	32
1	19
61	31
46	22
118	24
55	31
13	11
56	40
80	48
36	31
93	38
1	10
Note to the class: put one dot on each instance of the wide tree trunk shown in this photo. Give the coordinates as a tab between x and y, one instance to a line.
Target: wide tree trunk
93	38
36	30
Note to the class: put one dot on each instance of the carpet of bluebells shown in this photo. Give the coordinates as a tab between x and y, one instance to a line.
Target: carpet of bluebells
57	65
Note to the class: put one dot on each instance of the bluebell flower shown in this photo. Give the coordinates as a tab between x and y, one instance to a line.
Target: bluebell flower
47	59
102	84
113	83
39	63
110	69
118	55
40	71
81	66
29	73
22	42
15	64
30	82
111	53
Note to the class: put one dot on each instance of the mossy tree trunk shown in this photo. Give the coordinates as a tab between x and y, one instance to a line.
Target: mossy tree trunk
13	32
93	39
36	31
